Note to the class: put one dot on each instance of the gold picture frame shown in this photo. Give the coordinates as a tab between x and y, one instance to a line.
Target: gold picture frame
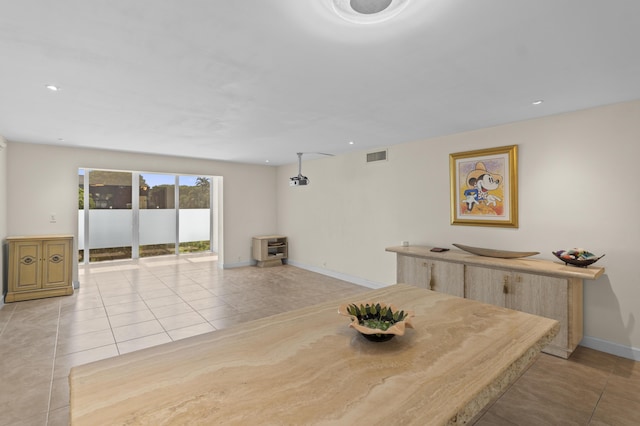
484	187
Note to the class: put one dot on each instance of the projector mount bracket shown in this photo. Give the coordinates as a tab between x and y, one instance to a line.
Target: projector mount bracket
300	179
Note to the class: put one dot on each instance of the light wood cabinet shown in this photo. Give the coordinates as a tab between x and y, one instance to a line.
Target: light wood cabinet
270	250
445	277
540	287
485	285
39	267
551	297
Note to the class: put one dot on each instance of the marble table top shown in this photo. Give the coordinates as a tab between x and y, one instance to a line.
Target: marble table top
308	367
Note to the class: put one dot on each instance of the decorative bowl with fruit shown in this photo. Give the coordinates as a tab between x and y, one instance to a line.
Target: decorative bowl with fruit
577	257
377	321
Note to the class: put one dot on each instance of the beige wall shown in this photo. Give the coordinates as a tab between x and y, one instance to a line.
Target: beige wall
576	175
43	180
576	189
3	204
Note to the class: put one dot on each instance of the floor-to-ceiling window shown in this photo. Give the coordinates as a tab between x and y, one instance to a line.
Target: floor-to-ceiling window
124	215
157	214
107	216
195	213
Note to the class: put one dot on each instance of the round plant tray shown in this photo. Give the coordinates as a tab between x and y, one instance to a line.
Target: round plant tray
375	334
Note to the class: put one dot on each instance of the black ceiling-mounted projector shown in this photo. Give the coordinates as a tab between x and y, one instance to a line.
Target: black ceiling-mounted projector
299	180
302	180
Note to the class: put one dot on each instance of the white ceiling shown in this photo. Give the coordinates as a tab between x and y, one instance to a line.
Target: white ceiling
256	80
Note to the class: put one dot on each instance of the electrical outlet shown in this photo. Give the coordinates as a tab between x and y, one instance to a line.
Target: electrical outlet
52	218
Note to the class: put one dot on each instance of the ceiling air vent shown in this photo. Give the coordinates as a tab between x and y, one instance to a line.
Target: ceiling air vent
377	156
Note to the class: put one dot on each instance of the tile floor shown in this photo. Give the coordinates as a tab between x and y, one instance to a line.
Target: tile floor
125	306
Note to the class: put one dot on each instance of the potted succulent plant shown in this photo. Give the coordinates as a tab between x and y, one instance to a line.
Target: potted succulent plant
377	321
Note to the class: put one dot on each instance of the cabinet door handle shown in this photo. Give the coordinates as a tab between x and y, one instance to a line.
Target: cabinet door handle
431	285
431	280
28	260
505	285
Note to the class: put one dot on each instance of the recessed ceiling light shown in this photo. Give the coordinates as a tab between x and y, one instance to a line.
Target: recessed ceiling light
52	87
538	102
60	139
351	143
369	7
266	161
368	11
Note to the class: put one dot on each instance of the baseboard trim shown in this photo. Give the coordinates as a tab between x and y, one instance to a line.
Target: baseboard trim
238	264
339	275
611	348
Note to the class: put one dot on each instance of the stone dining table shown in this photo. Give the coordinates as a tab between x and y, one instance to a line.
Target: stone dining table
308	367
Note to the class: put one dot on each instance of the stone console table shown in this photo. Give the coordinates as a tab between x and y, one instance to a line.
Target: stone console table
308	367
547	288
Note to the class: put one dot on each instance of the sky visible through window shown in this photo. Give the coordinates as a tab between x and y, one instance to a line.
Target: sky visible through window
154	179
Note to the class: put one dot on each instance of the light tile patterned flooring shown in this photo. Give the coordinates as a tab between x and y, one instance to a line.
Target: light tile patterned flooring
126	306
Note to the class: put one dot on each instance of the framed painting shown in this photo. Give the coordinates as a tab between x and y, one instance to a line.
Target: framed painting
484	187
